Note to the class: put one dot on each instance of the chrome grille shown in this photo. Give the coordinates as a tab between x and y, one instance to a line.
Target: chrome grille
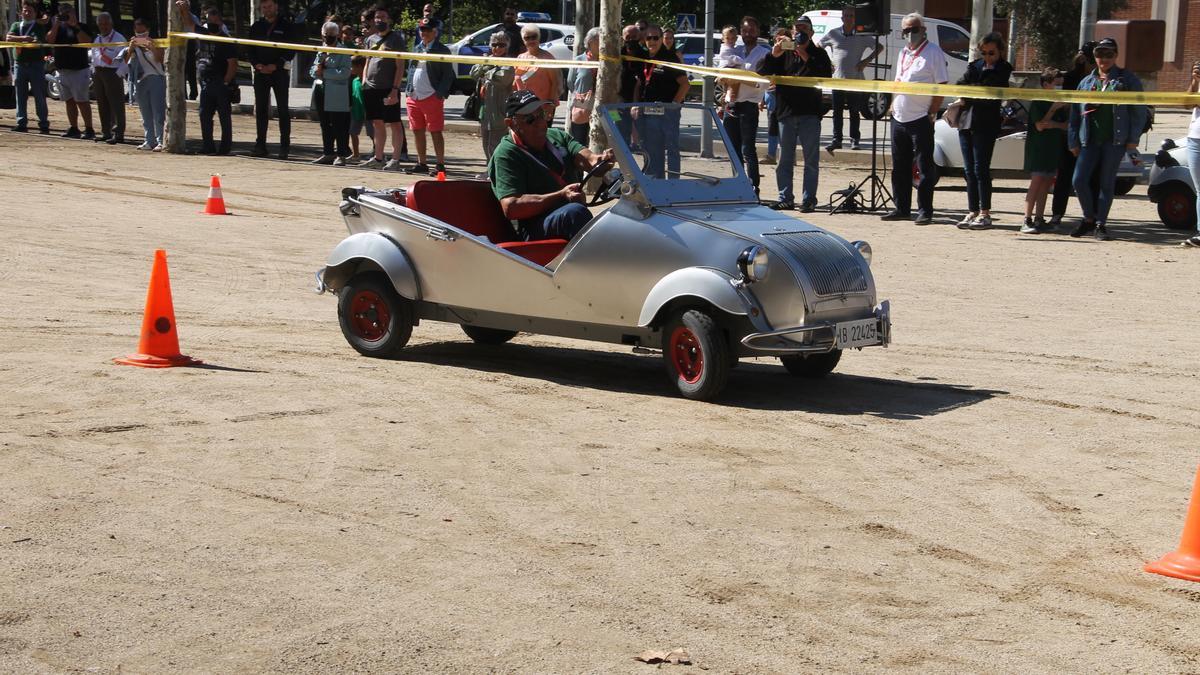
830	265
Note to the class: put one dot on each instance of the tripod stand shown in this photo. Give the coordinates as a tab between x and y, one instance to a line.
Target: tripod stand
851	199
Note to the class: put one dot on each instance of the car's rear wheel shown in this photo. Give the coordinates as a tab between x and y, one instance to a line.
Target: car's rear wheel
488	336
1123	186
875	106
697	354
1177	206
375	319
812	365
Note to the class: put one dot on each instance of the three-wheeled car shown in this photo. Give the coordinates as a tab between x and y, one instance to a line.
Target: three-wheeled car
692	264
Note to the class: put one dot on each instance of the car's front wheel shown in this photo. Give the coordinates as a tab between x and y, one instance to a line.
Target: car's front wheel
812	365
1177	206
488	336
375	319
875	105
697	354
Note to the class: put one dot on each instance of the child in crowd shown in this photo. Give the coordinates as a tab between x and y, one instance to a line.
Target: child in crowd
1044	140
729	58
358	111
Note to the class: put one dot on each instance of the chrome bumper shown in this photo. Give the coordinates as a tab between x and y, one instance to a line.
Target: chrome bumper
784	341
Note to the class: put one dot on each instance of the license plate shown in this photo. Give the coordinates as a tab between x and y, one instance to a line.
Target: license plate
852	334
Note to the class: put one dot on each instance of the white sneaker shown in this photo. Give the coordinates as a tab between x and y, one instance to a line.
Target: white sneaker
159	148
981	223
339	161
967	220
392	165
145	146
372	163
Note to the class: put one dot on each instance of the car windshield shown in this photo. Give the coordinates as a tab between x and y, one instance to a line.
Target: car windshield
667	163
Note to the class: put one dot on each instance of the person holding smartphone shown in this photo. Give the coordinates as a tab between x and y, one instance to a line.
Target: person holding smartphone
1193	153
331	97
74	72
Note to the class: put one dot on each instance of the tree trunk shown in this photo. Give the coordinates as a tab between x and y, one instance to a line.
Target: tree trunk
584	20
608	80
176	129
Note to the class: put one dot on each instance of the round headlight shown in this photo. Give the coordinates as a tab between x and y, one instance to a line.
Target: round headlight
864	249
752	263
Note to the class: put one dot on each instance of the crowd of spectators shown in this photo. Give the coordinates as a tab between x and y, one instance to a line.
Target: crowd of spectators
1070	148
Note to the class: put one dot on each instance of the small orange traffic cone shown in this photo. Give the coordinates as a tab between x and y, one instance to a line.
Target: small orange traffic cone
159	344
1185	562
441	175
215	206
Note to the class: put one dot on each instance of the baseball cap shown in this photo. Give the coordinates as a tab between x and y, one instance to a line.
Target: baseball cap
1107	43
523	102
426	22
803	19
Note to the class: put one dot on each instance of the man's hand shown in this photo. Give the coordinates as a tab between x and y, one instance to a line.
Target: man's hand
1040	125
573	193
73	21
606	156
1075	151
1130	147
777	48
392	98
862	65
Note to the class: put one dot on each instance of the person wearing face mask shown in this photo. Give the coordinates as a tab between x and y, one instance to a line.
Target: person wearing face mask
1099	134
331	98
271	75
381	85
912	122
151	84
216	68
108	72
1083	64
978	129
799	110
630	46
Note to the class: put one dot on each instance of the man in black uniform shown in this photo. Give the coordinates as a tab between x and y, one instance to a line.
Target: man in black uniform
216	66
271	74
631	39
508	24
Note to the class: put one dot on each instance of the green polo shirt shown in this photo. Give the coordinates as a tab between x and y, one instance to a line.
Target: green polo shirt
515	171
38	31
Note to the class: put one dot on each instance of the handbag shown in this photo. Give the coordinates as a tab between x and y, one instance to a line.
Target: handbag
953	114
471	107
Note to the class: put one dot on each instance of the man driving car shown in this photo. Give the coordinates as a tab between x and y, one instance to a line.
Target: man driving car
535	172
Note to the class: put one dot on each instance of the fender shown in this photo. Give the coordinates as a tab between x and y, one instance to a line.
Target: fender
711	285
1168	175
377	248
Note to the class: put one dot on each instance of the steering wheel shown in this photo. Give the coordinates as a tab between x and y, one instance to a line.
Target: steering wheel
598	170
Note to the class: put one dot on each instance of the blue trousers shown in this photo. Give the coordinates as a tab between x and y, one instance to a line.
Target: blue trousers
807	130
1103	159
660	140
31	79
977	147
152	102
1193	154
562	223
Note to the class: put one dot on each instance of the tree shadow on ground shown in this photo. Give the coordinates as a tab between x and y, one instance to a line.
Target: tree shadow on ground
757	386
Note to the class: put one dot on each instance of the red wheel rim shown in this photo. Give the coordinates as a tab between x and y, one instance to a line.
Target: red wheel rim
687	355
369	316
1176	205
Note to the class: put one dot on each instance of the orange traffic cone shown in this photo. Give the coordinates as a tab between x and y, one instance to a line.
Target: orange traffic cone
441	175
1185	562
159	344
215	206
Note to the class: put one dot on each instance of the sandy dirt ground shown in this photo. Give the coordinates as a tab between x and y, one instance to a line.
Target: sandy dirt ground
978	497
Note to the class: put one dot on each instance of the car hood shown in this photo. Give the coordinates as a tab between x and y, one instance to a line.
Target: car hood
751	221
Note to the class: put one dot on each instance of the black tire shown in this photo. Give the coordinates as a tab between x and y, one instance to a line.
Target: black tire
875	106
813	366
1124	186
488	336
696	354
1177	206
375	319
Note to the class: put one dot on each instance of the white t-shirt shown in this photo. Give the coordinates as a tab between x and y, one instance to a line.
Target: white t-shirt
926	63
422	88
750	91
729	57
1194	127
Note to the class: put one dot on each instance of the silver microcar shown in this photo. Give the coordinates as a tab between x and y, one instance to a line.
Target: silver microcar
691	264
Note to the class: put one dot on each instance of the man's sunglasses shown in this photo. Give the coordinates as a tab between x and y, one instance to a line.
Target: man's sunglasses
530	39
534	118
653	37
908	31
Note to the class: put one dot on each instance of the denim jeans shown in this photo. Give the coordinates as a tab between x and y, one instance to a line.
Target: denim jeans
1103	159
807	130
851	101
977	147
660	140
31	79
1193	157
277	82
214	98
741	123
152	102
562	223
909	140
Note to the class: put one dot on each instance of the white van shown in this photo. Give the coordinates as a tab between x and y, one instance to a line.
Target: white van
952	38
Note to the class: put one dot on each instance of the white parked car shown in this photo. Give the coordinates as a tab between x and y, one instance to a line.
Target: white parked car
951	37
556	38
1171	186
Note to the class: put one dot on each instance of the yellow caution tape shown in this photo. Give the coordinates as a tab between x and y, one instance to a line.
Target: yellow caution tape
872	86
160	42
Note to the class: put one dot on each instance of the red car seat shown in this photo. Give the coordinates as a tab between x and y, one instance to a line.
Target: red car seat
471	205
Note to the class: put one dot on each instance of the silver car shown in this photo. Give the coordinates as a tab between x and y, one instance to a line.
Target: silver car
692	265
1171	186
